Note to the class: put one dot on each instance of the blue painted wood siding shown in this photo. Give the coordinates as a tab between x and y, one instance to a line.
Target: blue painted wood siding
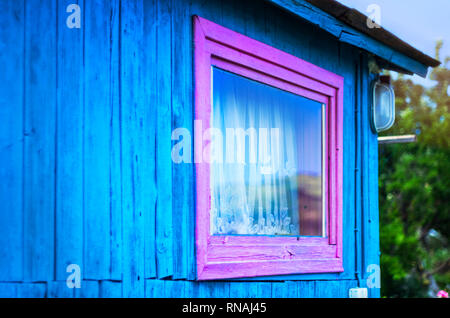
85	144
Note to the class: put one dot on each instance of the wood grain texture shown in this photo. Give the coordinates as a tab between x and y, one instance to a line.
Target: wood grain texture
149	125
69	145
88	289
8	290
97	136
40	141
11	139
31	290
115	156
132	115
59	289
154	288
370	218
182	173
136	214
110	289
163	85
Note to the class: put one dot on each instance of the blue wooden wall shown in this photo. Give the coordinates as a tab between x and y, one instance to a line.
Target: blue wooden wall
85	141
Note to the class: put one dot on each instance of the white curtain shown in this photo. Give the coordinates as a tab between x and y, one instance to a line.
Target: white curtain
255	183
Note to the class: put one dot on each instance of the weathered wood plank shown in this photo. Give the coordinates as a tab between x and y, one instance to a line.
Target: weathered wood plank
115	144
325	289
305	289
31	290
69	145
110	289
182	173
8	290
154	288
40	131
59	289
97	146
89	289
148	165
287	289
254	19
175	288
11	139
264	290
164	225
359	105
333	289
132	112
212	290
144	150
370	218
347	65
241	289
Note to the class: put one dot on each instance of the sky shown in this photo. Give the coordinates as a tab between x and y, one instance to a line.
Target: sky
418	22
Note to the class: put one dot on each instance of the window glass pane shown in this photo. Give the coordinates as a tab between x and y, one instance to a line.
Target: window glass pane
266	159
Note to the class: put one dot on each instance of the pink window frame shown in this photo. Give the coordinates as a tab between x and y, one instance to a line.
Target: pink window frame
220	257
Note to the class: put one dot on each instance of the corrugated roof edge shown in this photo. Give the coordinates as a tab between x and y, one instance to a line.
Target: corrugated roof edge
357	20
390	52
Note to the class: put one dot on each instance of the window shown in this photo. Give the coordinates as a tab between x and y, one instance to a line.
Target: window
267	179
269	185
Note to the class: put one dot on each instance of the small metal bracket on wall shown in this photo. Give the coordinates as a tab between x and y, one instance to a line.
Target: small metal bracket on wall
396	139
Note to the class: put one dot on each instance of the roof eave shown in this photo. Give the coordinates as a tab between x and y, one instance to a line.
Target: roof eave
397	56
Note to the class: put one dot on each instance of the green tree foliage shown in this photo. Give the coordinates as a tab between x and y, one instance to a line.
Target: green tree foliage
414	187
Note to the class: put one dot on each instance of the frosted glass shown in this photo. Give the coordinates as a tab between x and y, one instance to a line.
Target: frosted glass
266	178
384	109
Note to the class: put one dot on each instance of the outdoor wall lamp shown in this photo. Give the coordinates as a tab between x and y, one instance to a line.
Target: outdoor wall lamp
383	104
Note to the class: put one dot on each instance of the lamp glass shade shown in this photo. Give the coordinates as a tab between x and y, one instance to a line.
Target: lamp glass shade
383	107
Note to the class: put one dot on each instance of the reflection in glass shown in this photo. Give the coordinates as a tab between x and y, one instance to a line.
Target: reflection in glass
266	175
383	107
